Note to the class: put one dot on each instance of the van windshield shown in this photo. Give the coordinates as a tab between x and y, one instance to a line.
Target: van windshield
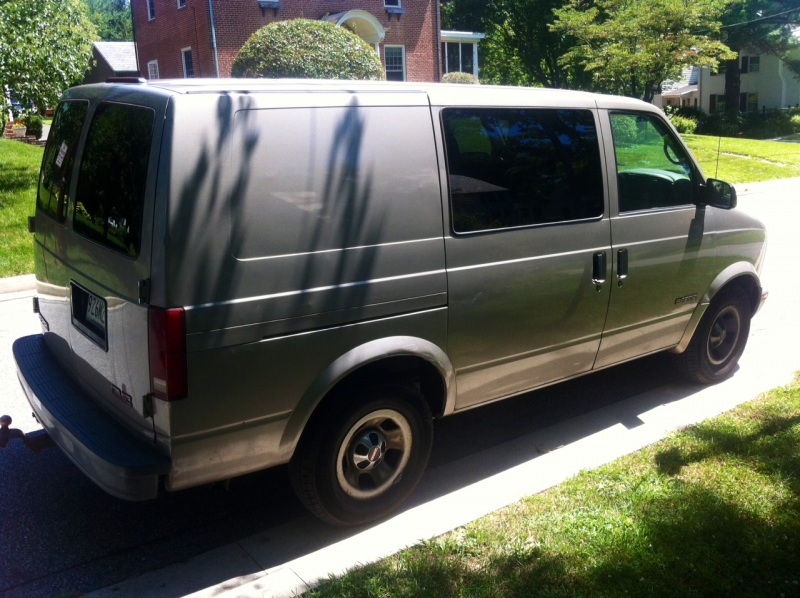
109	201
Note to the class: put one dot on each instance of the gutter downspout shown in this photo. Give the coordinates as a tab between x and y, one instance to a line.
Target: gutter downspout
438	42
213	36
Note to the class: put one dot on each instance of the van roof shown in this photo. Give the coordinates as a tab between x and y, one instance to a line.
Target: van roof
439	93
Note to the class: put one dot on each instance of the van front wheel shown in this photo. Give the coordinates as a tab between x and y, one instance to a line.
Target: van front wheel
719	341
354	466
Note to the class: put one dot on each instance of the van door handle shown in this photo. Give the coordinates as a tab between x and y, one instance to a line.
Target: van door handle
599	267
622	264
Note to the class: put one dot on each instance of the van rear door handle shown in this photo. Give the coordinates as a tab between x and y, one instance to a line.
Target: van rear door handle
599	267
622	264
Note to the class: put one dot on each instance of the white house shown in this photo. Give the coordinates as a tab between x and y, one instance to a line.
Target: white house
766	82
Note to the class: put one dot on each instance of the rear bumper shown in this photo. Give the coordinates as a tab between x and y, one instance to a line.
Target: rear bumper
104	450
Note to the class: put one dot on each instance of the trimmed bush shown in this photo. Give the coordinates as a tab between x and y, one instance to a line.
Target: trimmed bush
456	77
625	131
33	125
684	125
306	49
692	112
796	123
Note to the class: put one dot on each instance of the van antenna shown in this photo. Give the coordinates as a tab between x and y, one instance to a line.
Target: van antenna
719	143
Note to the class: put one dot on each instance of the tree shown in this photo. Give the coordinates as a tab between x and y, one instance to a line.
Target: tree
302	48
632	46
112	18
762	26
520	48
45	46
524	48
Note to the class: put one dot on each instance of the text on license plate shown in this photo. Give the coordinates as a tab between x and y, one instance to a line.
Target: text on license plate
96	312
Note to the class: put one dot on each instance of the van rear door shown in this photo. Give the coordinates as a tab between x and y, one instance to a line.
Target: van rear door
101	259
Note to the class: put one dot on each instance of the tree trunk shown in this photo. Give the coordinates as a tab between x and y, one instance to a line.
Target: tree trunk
732	86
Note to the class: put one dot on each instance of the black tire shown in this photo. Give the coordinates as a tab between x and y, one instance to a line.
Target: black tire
719	340
362	456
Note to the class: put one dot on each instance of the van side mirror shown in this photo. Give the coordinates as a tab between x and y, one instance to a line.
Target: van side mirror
719	194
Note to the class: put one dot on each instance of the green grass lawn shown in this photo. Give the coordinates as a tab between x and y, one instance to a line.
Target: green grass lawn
710	511
19	170
745	160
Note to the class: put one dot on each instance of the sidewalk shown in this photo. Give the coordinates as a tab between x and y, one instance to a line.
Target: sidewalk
16	284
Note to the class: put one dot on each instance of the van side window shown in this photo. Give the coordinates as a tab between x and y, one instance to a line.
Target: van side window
520	167
653	170
111	182
59	157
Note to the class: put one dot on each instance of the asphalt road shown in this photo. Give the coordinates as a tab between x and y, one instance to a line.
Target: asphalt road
62	536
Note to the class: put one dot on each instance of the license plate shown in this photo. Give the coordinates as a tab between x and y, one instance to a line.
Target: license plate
89	314
96	312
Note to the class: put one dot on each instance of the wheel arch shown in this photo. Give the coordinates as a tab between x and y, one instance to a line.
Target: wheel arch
387	358
740	274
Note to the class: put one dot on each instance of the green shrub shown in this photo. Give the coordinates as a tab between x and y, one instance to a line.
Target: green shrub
796	123
683	124
33	125
306	49
696	114
625	131
457	77
720	125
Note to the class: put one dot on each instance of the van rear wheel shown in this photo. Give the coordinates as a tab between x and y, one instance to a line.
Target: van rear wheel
356	465
719	341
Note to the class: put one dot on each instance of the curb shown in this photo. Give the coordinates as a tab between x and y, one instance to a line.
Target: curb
13	284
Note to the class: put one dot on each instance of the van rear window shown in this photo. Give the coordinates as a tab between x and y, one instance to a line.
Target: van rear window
54	180
511	167
109	201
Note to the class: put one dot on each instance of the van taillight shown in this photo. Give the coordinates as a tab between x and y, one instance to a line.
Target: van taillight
167	345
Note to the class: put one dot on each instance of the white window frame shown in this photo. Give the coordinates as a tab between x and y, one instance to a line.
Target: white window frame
392	4
151	10
460	37
181	3
750	68
183	62
152	68
403	54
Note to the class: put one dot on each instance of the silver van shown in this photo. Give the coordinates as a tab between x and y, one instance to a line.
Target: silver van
238	274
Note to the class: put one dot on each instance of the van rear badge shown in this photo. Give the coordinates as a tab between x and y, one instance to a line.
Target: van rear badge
687	299
122	396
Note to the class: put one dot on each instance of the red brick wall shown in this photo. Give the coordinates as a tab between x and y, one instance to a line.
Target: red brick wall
236	20
171	30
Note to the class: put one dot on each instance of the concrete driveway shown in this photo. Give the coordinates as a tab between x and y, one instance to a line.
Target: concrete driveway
69	537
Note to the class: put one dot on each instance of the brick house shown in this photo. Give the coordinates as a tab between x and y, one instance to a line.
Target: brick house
200	38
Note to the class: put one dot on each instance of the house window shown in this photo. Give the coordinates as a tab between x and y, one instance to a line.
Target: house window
755	64
151	10
188	64
395	57
394	3
152	69
721	69
459	57
181	3
748	102
717	103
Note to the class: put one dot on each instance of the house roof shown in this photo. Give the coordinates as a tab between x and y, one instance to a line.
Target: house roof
687	90
688	77
120	56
